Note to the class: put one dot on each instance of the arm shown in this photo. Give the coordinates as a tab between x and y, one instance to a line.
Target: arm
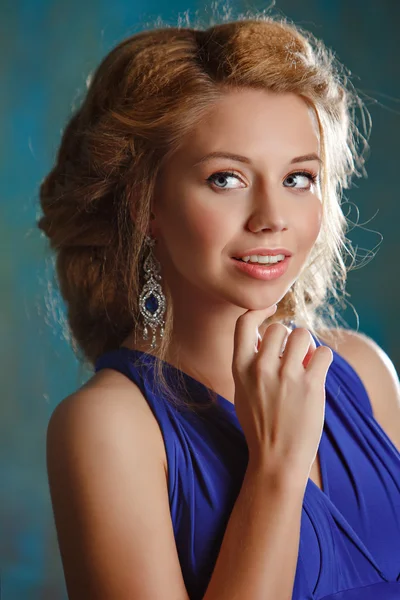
259	551
110	497
111	508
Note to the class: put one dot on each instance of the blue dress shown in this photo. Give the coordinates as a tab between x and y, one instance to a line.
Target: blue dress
350	532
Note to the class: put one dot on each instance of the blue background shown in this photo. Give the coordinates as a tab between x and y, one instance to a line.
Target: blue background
47	50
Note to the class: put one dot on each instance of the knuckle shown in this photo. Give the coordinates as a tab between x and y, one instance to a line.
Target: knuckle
278	327
327	351
300	333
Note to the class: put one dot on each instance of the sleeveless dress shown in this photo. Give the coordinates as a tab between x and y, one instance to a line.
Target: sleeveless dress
350	531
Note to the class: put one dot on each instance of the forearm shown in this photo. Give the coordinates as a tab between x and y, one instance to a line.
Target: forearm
258	555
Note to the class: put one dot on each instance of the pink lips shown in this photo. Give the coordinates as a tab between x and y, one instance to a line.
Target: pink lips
264	272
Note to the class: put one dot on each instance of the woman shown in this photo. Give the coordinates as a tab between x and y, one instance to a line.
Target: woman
232	443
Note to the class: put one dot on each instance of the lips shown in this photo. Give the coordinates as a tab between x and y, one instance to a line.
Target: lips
265	272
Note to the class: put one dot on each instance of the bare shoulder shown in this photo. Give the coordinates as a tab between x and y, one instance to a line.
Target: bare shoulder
376	371
109	494
105	399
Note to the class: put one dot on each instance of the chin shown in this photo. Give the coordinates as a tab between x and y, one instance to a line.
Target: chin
254	304
262	301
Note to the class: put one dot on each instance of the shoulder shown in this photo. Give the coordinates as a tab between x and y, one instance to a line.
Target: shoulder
109	493
376	371
108	394
109	410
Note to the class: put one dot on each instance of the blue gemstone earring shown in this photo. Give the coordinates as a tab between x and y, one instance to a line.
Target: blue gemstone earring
152	299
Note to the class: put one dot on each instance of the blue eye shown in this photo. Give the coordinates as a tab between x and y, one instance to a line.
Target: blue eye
312	178
217	179
221	175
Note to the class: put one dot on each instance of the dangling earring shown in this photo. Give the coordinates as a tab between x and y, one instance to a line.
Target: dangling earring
152	299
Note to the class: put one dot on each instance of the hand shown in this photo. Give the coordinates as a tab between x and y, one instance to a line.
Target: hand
279	401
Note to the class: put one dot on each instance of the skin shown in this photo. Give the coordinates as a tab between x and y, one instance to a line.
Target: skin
198	229
199	226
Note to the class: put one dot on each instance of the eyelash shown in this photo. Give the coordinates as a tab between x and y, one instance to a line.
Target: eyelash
313	178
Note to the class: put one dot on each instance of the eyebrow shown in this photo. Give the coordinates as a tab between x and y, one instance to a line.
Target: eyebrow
244	159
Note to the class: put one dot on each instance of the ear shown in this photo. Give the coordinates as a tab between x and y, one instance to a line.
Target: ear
151	227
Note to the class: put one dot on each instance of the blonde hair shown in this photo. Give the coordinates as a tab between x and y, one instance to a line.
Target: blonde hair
147	93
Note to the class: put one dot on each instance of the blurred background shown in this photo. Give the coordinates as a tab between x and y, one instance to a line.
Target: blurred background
47	50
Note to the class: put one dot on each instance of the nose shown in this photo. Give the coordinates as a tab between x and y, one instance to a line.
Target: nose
269	212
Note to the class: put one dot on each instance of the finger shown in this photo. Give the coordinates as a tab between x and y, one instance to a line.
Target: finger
310	352
297	347
246	335
273	344
320	362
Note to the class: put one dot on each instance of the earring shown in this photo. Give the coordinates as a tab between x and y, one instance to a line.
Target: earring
152	299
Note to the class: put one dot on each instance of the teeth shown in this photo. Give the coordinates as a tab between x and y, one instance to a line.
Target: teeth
263	259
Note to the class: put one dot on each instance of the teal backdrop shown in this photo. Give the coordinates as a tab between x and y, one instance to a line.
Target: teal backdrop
47	50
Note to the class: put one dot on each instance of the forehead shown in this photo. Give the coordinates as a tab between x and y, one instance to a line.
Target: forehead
255	122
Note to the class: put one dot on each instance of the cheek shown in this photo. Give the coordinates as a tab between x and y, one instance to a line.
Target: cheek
311	223
200	227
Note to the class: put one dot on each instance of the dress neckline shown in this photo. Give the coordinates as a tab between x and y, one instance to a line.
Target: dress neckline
230	407
221	399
